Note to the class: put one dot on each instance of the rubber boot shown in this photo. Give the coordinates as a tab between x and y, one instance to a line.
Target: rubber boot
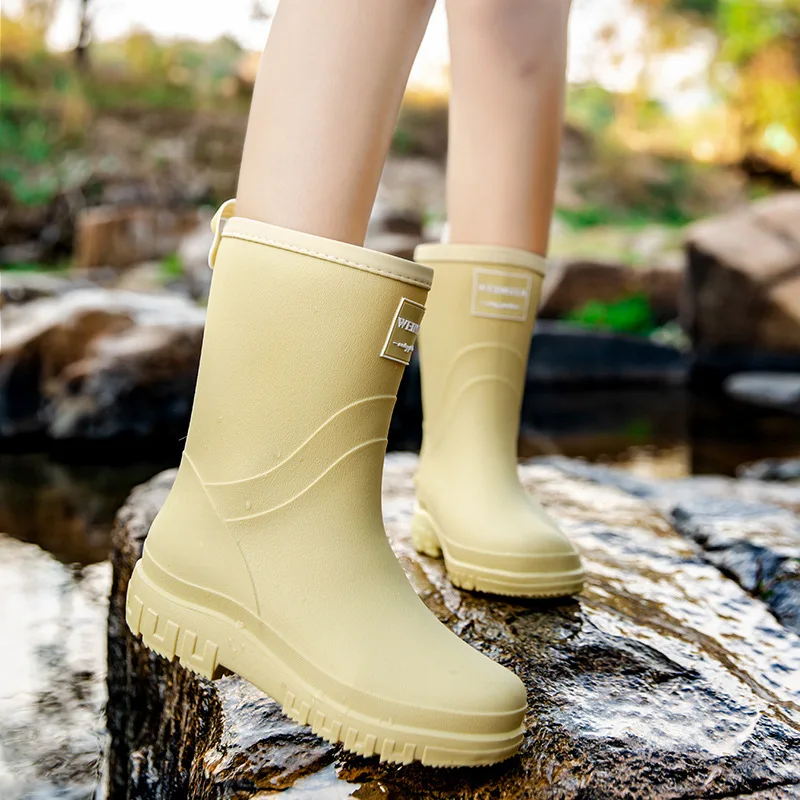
270	557
474	348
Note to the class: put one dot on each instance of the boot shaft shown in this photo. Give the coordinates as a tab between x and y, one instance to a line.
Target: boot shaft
306	339
475	341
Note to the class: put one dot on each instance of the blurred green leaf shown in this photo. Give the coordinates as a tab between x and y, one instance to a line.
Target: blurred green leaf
628	315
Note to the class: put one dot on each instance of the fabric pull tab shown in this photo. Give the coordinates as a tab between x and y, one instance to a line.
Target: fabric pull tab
225	211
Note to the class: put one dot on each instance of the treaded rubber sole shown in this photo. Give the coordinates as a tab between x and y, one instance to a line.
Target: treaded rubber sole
207	642
427	540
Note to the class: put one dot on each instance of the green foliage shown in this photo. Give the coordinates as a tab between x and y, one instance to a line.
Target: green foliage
639	430
171	268
590	107
628	315
707	9
672	334
748	26
402	141
592	216
59	268
26	148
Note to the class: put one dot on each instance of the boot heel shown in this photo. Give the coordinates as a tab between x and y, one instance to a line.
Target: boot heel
170	629
423	534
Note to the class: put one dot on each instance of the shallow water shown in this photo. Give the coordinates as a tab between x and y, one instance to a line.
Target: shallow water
56	511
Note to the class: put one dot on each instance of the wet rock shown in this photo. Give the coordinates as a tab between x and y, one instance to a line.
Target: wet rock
770	389
96	364
570	285
411	187
773	469
192	256
569	354
17	288
748	529
664	679
742	292
118	236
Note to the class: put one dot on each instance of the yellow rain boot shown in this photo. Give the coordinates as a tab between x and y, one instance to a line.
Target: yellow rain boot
270	557
473	355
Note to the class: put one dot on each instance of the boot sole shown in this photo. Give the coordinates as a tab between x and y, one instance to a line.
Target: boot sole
427	539
208	642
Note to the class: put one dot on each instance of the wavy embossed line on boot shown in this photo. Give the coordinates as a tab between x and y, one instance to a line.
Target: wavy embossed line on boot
380	425
454	386
280	485
462	359
234	541
458	378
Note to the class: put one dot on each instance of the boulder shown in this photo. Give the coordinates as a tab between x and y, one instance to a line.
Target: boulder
17	288
742	290
768	389
97	363
569	354
192	256
570	285
663	679
772	469
118	236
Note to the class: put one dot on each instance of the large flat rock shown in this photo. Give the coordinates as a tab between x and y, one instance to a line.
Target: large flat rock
664	679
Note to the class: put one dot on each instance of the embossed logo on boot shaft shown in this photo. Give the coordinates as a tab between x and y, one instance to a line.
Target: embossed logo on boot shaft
403	331
500	295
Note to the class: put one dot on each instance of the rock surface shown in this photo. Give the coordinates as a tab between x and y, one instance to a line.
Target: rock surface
118	236
21	287
742	288
569	354
664	679
770	389
95	364
772	469
570	285
747	528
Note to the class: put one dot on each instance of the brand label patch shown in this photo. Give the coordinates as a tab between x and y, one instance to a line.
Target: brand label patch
403	332
500	295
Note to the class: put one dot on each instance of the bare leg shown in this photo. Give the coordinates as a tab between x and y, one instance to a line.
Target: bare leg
508	64
508	60
324	106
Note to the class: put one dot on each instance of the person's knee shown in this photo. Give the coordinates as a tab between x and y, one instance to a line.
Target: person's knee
525	34
495	13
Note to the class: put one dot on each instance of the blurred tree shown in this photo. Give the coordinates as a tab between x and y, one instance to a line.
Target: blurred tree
85	9
755	69
263	9
25	33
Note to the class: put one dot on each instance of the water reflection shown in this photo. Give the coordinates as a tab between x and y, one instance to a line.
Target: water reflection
56	512
65	501
52	692
658	432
